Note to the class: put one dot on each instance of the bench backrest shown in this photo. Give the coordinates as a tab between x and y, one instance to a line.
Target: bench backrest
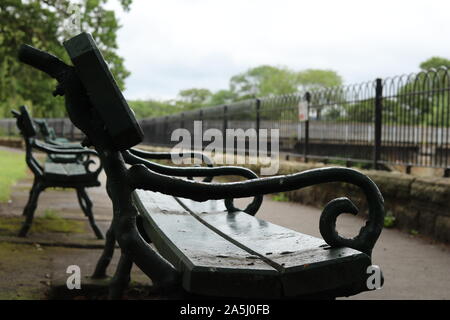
44	129
27	129
25	123
103	91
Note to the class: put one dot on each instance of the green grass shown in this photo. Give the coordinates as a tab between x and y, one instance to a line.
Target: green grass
12	168
51	221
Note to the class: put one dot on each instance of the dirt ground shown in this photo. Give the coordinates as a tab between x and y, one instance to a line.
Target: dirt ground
31	268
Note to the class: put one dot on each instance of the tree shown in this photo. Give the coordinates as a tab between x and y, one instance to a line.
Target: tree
311	79
194	98
435	63
425	98
152	108
263	81
268	80
223	97
41	24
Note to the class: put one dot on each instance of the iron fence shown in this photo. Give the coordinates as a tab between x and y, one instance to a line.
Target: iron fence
403	120
63	127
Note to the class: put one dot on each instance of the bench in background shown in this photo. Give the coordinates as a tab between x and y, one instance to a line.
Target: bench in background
54	174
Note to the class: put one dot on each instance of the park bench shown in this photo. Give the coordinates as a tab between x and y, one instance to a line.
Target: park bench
52	174
187	235
49	136
48	133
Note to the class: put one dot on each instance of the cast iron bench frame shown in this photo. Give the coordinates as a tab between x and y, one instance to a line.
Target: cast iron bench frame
75	174
93	106
48	134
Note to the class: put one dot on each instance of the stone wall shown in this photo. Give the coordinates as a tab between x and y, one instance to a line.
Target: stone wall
417	203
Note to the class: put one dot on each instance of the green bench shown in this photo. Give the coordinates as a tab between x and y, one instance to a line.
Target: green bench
51	174
186	235
48	134
234	254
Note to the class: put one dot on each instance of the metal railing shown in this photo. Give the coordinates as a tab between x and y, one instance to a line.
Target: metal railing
401	120
63	128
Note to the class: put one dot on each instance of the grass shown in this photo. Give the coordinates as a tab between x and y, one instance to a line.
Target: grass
50	221
12	168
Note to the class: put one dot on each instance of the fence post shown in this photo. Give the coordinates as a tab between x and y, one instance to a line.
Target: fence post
72	131
378	121
165	129
305	150
258	124
182	120
225	126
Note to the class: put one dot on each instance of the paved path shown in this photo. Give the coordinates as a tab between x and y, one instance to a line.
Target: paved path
414	267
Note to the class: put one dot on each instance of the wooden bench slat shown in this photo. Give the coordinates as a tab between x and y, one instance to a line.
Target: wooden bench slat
211	265
306	263
68	169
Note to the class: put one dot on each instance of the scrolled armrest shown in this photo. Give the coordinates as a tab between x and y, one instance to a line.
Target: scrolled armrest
49	149
141	177
52	149
251	209
169	155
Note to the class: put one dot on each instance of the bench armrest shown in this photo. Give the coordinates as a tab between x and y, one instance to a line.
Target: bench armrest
49	149
141	177
62	145
169	155
251	209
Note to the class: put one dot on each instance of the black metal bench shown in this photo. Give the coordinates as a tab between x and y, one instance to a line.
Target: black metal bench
49	136
48	133
204	245
225	252
52	174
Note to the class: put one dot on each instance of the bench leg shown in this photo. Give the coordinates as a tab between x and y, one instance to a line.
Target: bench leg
30	208
105	259
86	206
121	278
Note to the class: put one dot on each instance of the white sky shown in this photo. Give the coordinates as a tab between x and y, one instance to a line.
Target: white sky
172	44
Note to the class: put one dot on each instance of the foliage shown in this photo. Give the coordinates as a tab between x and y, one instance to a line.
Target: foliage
222	97
12	168
312	79
280	197
268	80
193	98
41	24
152	108
263	81
435	63
389	220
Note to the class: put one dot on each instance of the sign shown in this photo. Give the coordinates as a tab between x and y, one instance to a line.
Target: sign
303	111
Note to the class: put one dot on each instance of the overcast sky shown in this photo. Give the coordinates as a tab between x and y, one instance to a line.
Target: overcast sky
178	44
